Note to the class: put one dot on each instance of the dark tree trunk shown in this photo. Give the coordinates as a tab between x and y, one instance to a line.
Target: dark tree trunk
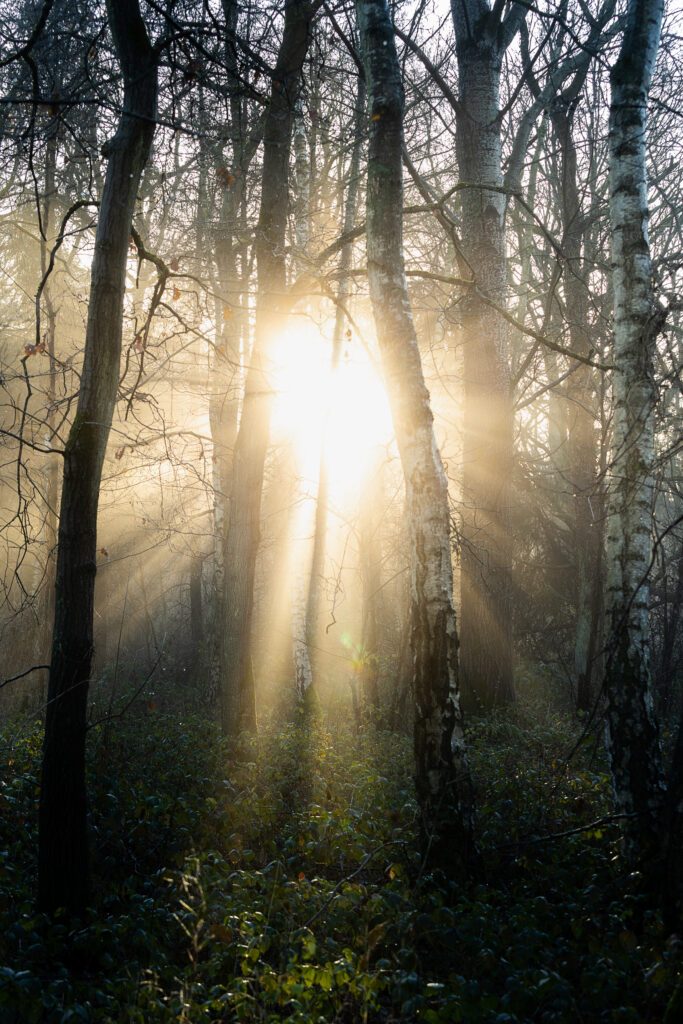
672	829
232	318
580	471
197	613
238	710
670	638
63	855
441	770
47	615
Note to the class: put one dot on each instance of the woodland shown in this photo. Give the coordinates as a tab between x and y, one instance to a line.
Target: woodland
341	511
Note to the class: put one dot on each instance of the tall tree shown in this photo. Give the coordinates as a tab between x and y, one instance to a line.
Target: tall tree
63	855
483	34
632	734
442	775
252	438
315	589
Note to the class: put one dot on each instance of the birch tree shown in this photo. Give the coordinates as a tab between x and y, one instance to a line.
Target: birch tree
441	770
483	34
632	733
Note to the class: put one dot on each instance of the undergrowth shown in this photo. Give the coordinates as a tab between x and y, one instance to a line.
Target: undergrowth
281	882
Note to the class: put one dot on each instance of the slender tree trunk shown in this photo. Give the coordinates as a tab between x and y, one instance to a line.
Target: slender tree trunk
442	775
197	613
370	558
47	615
321	509
672	879
302	188
670	637
581	437
232	331
301	651
238	709
63	857
632	735
303	673
486	561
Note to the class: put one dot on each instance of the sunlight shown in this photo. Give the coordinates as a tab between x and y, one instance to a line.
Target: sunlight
348	406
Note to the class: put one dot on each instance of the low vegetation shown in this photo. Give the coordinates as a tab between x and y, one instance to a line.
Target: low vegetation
280	882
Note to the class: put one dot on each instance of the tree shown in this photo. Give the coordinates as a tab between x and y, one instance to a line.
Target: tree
482	38
63	856
441	770
632	732
238	709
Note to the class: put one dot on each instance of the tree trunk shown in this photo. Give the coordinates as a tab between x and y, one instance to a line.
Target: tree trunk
196	623
632	735
581	437
322	500
63	858
238	710
232	329
47	604
370	565
442	774
486	561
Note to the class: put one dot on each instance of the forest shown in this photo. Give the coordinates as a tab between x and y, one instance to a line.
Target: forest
341	511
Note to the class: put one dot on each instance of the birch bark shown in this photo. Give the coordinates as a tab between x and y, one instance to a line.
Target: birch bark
441	770
486	617
632	735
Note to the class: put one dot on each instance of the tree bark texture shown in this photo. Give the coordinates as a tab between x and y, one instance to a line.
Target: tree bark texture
441	770
63	858
632	735
243	534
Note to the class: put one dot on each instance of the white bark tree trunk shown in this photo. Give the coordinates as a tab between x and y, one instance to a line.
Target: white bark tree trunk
632	736
486	624
442	774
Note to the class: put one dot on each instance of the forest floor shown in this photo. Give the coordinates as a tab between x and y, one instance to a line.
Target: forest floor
285	886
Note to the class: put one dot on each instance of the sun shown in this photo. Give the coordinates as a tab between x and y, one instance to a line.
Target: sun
343	412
